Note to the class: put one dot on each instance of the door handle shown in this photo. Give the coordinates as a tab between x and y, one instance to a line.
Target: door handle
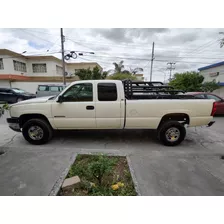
89	107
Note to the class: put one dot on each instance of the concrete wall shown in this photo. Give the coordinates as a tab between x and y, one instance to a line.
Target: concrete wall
220	78
209	78
51	66
4	83
8	65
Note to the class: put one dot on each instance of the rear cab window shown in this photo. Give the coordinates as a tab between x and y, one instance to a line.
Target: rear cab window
54	88
43	88
107	92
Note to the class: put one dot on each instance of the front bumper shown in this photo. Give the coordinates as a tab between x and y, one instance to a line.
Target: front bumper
210	123
14	124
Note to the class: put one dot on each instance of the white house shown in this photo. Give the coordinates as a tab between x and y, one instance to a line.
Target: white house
214	72
26	72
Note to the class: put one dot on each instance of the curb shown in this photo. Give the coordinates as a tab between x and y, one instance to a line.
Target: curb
56	188
133	176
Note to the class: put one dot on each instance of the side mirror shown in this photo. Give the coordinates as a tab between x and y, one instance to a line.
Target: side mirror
60	99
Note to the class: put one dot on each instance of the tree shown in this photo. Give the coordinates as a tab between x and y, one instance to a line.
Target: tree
118	67
209	86
136	70
87	74
192	81
122	76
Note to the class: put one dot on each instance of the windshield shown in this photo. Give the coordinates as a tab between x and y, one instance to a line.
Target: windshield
19	90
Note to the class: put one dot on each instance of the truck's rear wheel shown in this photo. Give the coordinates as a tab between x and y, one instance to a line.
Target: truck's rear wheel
37	131
171	133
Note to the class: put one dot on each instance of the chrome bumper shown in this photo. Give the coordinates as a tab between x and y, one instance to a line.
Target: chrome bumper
14	124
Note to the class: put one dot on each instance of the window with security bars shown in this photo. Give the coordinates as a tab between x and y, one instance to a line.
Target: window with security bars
19	66
59	70
39	68
1	64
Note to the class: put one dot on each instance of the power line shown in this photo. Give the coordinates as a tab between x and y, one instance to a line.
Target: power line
36	36
171	68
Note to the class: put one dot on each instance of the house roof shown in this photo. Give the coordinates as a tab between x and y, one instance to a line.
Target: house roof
45	57
211	66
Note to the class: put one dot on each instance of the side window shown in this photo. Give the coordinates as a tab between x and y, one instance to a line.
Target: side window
79	93
43	88
217	99
107	92
54	88
200	96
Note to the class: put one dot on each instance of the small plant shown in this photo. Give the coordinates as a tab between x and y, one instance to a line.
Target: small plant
101	175
101	167
3	108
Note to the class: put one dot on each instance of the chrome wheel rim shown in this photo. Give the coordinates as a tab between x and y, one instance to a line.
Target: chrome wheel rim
19	100
35	133
172	134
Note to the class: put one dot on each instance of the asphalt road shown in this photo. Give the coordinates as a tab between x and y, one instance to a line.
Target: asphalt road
192	168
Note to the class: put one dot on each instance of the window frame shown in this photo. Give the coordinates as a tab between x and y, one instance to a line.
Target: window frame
201	94
106	83
58	88
1	64
64	98
46	89
18	66
36	64
59	68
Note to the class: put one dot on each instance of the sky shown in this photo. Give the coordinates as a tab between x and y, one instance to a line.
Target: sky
189	49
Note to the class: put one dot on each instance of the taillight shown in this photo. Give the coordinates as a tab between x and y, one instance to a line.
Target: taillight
214	109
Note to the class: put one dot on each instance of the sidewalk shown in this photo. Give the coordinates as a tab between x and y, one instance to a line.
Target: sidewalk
193	168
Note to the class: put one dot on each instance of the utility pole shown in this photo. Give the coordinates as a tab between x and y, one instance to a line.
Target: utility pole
63	55
152	58
171	68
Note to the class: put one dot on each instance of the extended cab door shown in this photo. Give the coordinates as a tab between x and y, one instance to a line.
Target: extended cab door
109	106
77	109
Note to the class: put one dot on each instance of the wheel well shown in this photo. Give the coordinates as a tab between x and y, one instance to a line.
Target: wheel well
182	117
25	117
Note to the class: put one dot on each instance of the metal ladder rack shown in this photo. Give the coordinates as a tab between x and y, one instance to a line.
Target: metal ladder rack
151	90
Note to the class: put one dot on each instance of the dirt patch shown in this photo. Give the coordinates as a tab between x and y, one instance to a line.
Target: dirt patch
116	181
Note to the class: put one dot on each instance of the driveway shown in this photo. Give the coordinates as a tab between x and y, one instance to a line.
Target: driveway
193	168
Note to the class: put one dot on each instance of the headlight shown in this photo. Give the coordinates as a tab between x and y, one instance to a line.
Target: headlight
10	112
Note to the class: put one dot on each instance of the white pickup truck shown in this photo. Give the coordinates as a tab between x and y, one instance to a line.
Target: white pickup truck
111	104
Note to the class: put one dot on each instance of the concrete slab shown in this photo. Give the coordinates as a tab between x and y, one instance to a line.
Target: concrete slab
192	168
171	175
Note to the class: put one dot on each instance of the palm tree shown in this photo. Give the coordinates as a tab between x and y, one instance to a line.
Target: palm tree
136	70
118	67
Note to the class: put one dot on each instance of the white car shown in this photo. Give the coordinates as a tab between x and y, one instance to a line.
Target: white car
110	104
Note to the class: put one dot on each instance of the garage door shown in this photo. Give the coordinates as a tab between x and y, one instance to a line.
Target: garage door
4	83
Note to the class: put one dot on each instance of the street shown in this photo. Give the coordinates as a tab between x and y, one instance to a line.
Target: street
192	168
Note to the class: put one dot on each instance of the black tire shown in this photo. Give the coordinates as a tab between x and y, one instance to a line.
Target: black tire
162	131
19	99
46	128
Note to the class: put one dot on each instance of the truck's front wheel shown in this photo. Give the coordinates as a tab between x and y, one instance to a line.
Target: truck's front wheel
171	133
37	131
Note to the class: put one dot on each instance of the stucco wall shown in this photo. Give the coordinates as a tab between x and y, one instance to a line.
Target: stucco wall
208	78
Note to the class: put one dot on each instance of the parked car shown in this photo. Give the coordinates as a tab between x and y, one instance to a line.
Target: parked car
49	90
110	104
219	101
14	95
